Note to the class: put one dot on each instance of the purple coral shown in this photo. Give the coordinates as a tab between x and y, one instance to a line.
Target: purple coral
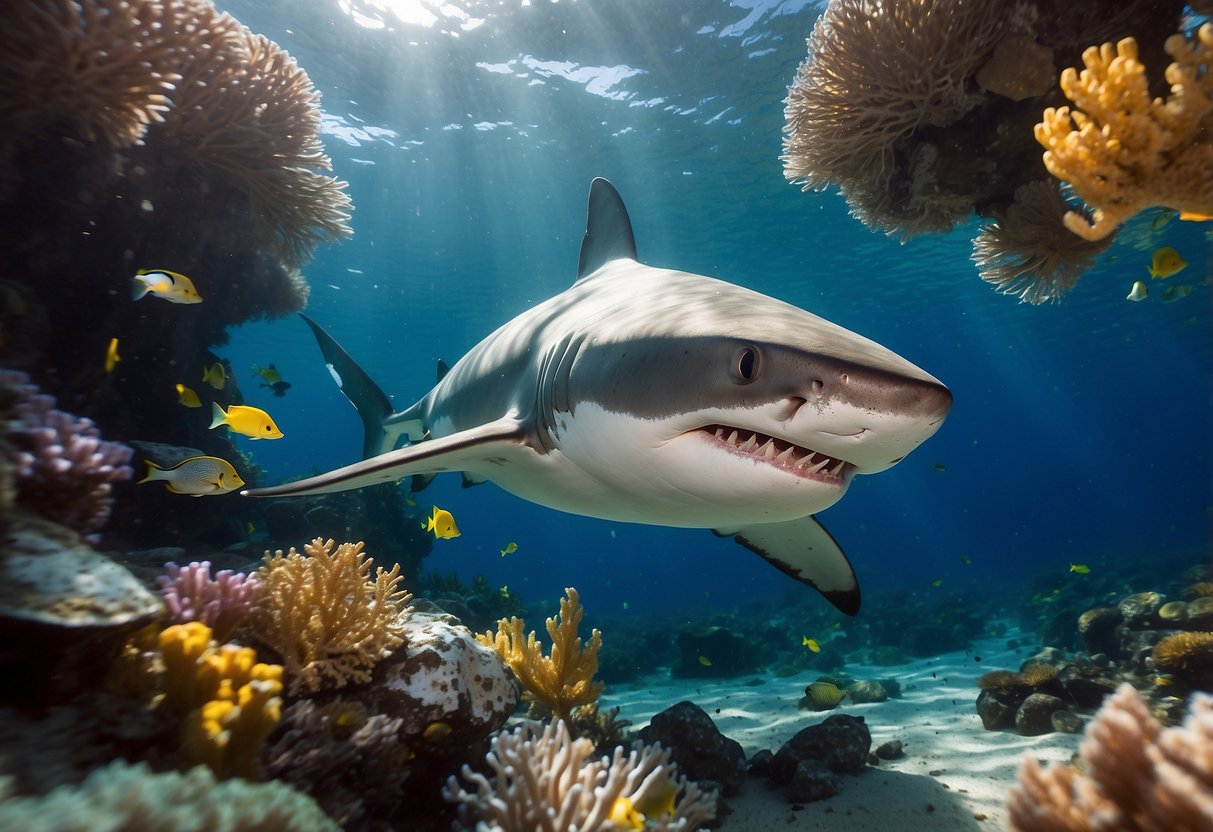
65	470
221	603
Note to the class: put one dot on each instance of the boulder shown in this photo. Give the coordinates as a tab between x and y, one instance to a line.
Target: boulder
697	746
840	743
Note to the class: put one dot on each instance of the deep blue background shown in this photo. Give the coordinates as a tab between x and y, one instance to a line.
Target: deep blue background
1081	431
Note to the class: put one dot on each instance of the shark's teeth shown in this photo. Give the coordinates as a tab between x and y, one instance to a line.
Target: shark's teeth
758	446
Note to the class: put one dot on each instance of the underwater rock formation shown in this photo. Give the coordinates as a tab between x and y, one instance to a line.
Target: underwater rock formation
65	611
696	744
441	676
893	98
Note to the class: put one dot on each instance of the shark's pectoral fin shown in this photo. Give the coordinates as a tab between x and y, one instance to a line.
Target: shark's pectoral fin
457	452
804	550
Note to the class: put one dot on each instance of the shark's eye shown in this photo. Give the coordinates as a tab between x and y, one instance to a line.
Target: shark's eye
745	365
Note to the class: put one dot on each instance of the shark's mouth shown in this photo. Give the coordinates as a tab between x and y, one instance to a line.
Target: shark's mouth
803	462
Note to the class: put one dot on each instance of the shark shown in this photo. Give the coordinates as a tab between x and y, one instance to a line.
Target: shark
656	396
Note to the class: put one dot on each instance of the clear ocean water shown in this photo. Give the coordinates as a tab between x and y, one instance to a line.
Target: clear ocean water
1082	431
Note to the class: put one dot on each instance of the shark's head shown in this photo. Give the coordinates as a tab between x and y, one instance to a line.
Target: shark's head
726	391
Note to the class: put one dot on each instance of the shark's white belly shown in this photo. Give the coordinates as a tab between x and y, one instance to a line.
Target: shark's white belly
591	473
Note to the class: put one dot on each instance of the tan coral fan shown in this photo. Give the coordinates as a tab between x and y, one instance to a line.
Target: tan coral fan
1123	151
563	680
329	619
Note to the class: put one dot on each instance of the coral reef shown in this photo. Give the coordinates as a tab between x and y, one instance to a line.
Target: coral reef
546	781
141	134
222	602
326	615
563	680
65	471
893	97
230	701
1137	776
122	796
121	72
1123	150
1028	252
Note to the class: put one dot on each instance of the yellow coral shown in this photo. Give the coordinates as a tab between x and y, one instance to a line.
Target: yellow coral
1123	151
566	678
225	735
231	701
325	614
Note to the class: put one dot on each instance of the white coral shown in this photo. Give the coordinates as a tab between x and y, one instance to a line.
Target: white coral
547	782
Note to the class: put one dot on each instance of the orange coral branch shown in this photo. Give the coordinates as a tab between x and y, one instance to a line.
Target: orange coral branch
329	619
564	680
1123	151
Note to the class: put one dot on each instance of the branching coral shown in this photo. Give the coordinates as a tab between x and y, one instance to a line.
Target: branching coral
1138	776
549	782
65	470
325	614
1028	252
221	603
230	701
122	796
563	680
875	74
1121	149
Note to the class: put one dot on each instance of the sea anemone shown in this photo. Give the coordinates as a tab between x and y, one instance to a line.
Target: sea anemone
1185	652
1028	252
1037	675
999	680
876	74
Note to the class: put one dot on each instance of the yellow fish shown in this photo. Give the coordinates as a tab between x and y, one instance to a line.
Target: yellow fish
1138	292
253	422
1162	219
825	694
937	583
111	356
250	527
966	560
442	524
1166	262
187	397
1080	568
510	548
269	375
810	643
1192	216
504	592
657	801
624	815
705	661
215	375
436	732
173	287
197	476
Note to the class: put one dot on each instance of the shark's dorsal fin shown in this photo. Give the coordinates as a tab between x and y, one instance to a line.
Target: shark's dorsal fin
608	231
443	369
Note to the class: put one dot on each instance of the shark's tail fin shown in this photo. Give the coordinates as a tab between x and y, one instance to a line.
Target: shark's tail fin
374	408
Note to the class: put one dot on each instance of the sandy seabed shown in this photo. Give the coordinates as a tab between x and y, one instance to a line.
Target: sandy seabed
954	775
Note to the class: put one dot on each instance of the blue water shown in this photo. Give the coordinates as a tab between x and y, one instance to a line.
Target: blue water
1081	431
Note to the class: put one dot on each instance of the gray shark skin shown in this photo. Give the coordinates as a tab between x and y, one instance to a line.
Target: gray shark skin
656	396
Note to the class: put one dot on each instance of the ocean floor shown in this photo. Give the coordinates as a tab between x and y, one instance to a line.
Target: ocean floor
954	775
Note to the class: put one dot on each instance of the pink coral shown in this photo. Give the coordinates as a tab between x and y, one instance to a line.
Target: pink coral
221	602
65	470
